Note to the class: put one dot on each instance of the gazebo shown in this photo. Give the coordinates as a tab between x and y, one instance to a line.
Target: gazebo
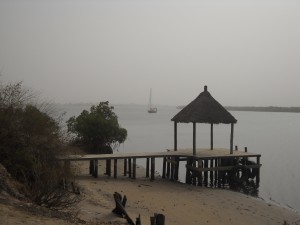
204	109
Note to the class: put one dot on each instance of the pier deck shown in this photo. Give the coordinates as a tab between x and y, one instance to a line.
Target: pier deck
200	153
204	167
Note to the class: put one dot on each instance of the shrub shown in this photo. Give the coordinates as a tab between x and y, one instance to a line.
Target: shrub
30	140
97	129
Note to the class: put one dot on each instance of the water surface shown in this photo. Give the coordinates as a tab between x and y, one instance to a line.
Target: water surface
276	136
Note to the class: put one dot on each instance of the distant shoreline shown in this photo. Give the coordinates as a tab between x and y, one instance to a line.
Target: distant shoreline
259	109
264	109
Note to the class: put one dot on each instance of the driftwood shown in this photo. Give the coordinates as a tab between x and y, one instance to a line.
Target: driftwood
157	219
120	207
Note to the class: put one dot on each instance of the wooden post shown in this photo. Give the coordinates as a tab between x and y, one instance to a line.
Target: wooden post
163	169
147	167
200	165
172	169
258	172
134	169
194	173
129	167
115	168
96	168
176	175
188	172
152	168
236	148
211	136
125	167
231	138
211	173
205	173
108	167
175	136
216	172
246	150
168	168
194	138
220	173
91	166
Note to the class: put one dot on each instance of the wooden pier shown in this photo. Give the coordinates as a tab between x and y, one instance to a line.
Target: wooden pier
206	168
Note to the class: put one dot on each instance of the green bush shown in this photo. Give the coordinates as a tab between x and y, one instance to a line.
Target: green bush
98	129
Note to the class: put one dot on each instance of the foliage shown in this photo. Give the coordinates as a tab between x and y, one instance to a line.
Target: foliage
30	140
98	129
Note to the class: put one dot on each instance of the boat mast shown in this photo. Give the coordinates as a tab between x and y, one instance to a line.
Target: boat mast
150	104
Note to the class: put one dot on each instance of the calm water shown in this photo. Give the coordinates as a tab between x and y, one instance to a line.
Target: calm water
276	136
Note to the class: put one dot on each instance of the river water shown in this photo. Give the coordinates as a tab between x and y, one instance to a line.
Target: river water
276	136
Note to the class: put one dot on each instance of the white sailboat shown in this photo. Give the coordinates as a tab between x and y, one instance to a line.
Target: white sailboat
151	109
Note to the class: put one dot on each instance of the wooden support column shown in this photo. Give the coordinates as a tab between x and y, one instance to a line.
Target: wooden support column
172	169
96	168
125	167
200	165
211	136
231	138
115	168
147	167
258	172
91	166
194	138
164	168
211	173
134	168
175	136
152	168
220	173
206	172
168	168
216	173
176	175
189	162
129	167
108	167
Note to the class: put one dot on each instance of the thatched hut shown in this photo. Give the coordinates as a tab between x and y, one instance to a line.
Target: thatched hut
204	109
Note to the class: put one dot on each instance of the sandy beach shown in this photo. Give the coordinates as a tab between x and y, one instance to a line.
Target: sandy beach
180	203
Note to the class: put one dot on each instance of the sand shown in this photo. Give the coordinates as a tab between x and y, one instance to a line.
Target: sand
180	203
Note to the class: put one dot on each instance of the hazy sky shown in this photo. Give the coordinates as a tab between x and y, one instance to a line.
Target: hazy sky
246	51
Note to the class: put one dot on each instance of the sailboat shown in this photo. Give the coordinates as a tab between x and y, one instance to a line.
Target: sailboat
151	109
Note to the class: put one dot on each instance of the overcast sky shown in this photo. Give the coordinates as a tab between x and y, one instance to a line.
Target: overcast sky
246	51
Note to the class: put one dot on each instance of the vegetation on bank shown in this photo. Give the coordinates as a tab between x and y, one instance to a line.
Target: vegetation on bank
97	130
30	140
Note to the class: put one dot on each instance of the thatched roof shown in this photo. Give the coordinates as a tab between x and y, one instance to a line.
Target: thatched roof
204	109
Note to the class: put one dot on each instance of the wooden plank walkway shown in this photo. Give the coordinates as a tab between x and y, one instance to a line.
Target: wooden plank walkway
206	159
200	153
